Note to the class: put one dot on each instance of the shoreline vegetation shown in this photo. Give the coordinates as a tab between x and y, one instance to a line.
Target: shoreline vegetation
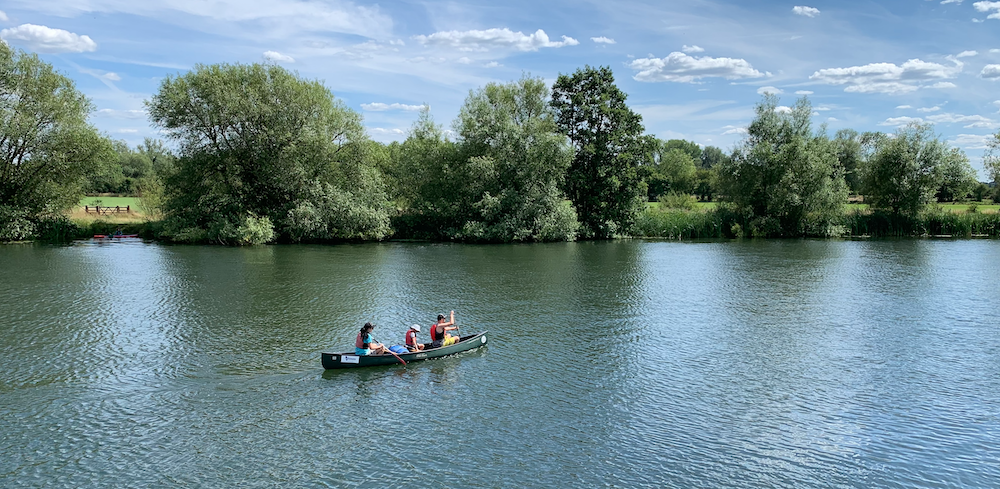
260	155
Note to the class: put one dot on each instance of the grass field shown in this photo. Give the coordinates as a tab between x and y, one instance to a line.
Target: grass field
84	218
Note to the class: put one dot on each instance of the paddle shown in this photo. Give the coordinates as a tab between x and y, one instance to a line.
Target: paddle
390	351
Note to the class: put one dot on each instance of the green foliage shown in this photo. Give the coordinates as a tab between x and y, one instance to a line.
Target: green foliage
957	177
991	159
603	181
16	224
669	167
677	200
510	163
257	141
903	174
712	156
784	178
705	183
47	150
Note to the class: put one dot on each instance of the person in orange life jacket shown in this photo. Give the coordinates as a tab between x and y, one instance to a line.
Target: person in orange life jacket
411	339
439	332
365	345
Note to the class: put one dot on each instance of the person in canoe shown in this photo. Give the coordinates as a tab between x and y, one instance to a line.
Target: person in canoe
365	345
439	332
411	339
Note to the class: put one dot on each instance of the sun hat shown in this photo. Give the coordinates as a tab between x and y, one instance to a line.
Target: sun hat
415	327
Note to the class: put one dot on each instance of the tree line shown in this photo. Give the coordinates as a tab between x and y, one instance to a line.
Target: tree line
263	155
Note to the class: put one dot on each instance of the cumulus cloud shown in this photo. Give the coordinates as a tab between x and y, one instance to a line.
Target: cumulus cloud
900	121
972	120
783	109
806	11
929	109
3	16
121	114
904	106
381	107
388	132
476	40
464	60
972	141
887	77
603	40
692	49
990	71
966	54
276	56
679	67
946	2
943	85
989	7
48	40
733	130
492	64
803	92
772	90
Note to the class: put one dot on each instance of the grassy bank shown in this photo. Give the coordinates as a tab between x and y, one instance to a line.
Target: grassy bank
957	220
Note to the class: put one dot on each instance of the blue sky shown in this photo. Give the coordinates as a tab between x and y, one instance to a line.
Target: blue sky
693	69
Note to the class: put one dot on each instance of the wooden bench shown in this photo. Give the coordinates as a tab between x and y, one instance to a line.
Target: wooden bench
97	209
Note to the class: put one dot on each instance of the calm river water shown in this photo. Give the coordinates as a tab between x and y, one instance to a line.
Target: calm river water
621	364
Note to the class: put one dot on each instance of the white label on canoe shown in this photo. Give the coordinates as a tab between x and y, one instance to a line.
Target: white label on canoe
483	340
350	359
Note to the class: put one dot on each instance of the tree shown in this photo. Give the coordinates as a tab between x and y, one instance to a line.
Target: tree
262	148
603	181
712	156
783	177
903	173
991	159
958	177
850	152
47	148
511	161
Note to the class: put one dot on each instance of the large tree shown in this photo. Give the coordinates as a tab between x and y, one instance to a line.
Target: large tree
785	178
510	165
603	181
264	154
903	173
47	148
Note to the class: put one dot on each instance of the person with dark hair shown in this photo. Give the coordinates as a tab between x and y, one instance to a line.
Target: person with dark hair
439	332
365	345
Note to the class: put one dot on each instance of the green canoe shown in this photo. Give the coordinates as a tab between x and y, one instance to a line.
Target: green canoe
350	360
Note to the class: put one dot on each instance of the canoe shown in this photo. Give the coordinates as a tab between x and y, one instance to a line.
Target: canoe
350	360
115	236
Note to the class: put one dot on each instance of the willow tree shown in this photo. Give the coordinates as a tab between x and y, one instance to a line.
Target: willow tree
782	177
47	148
265	154
511	162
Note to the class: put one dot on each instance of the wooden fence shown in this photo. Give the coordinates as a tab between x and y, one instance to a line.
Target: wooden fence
97	209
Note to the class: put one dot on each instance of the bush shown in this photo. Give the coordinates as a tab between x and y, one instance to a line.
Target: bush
15	224
677	200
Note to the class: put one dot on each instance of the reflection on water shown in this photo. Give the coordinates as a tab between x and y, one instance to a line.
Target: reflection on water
626	364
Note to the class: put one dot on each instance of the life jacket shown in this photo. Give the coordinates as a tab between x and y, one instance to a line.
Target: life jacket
360	343
411	338
435	335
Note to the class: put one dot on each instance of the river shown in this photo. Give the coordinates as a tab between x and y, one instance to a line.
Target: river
626	364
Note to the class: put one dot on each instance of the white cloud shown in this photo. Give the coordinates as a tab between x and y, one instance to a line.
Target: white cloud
127	131
464	60
492	64
904	107
987	7
692	49
734	130
832	119
887	77
112	76
48	40
946	2
995	50
3	16
957	118
772	90
977	21
944	85
783	109
390	132
603	40
679	67
966	54
929	109
276	56
121	114
381	107
972	141
803	92
494	38
900	121
990	71
806	11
